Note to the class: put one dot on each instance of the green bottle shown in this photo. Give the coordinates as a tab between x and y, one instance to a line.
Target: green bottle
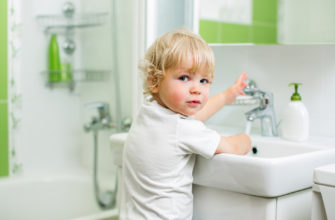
54	60
66	73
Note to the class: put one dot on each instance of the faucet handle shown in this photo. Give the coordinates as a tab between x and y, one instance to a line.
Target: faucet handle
251	88
102	107
264	103
96	104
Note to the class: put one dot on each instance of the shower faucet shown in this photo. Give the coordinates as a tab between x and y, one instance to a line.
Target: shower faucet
105	199
103	121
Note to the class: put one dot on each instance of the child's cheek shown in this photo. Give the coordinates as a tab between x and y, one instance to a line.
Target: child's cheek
205	99
177	97
205	95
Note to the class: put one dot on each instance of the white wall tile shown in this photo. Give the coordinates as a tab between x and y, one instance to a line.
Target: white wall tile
273	68
51	134
306	21
232	11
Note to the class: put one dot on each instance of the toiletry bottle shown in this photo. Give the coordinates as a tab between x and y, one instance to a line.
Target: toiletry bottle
66	74
54	60
295	125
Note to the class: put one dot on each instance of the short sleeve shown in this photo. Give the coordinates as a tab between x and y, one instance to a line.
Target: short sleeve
195	137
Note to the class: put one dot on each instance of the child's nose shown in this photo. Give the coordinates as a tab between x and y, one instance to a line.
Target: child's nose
195	89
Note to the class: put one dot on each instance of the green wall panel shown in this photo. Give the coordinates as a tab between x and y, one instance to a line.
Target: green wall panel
209	30
263	29
264	21
3	51
220	32
235	33
264	35
4	168
264	11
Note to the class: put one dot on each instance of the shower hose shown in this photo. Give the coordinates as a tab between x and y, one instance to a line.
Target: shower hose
107	199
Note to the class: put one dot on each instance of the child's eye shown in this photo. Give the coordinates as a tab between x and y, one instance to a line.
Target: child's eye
204	81
183	78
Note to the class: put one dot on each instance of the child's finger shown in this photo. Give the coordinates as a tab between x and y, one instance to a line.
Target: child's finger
242	78
242	93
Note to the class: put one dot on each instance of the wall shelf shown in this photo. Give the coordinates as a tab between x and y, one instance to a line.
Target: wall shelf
82	75
60	73
69	79
56	23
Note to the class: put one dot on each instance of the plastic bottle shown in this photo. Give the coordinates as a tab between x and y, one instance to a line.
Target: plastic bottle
295	125
54	60
66	74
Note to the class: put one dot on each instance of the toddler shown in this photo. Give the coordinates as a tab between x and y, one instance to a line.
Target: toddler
168	132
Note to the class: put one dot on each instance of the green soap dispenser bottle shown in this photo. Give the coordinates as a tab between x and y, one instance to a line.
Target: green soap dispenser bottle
54	60
295	125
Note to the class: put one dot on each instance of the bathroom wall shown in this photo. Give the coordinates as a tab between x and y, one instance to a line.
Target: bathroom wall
49	122
243	21
159	21
315	20
49	133
121	58
3	90
48	137
273	68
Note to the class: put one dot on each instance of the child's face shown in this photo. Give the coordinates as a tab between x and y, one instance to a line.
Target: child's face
183	92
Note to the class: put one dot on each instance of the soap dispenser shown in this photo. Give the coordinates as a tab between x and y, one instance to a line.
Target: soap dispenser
295	125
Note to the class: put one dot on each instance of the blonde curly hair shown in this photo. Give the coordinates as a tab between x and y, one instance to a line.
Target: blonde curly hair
170	51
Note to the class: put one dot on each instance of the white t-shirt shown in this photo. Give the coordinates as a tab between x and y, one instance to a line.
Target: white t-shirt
158	161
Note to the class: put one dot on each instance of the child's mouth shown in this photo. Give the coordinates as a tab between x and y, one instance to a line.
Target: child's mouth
194	102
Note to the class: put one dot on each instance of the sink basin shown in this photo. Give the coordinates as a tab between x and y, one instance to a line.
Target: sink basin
273	168
278	167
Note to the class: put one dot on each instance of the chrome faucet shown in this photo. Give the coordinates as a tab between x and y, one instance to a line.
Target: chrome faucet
265	111
105	199
103	121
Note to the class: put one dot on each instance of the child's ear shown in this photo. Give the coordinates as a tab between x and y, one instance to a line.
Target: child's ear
153	84
154	89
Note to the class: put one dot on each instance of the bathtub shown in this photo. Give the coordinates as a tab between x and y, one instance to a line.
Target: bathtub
60	197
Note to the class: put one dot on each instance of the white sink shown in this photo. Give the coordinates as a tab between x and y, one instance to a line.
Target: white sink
279	167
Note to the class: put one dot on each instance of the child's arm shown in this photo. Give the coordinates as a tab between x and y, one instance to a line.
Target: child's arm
215	103
238	144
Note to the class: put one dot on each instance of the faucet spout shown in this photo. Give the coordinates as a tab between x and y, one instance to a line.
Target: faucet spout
265	112
103	121
254	114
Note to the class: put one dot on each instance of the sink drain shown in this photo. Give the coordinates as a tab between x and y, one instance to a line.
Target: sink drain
254	149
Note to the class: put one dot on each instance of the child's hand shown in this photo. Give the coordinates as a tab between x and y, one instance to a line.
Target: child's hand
237	89
237	144
215	103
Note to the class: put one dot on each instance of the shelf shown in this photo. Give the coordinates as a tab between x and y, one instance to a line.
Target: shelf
61	22
65	23
78	75
69	79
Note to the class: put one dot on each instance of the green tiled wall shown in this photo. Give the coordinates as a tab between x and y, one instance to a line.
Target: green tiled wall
220	32
4	168
263	29
264	21
210	31
264	11
235	33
